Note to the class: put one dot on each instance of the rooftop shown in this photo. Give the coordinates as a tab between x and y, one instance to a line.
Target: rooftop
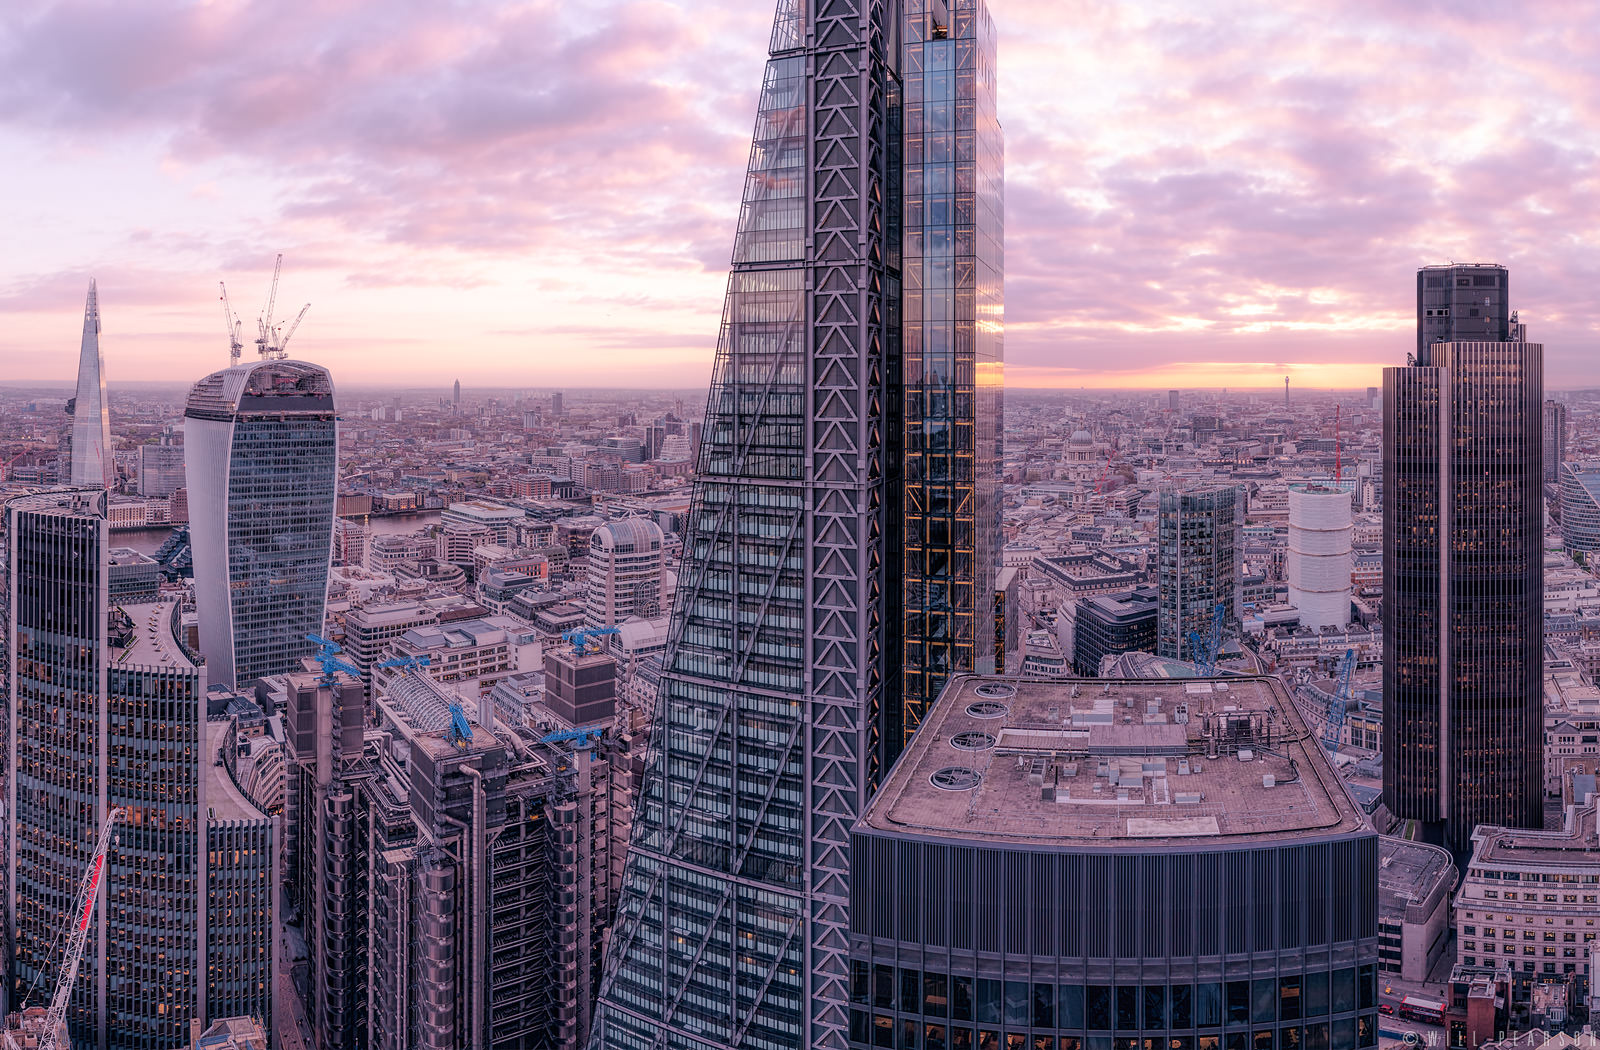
1069	763
224	800
1411	873
151	643
1576	844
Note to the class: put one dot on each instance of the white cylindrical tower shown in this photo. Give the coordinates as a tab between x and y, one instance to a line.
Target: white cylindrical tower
1319	554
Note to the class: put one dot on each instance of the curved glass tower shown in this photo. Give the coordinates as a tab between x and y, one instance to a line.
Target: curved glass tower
843	528
262	455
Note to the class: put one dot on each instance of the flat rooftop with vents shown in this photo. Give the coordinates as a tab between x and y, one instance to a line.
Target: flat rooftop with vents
1155	763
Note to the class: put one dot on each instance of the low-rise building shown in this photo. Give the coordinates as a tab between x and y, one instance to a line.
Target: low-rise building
1415	881
1531	901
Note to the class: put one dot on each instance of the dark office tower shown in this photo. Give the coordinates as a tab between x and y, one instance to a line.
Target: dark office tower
1462	302
262	455
107	711
1172	400
844	500
556	408
1555	441
1462	584
951	334
455	396
1198	529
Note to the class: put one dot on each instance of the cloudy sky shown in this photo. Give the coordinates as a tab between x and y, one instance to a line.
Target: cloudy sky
544	193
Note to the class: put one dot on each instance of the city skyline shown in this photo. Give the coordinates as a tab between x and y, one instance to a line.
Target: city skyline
1182	227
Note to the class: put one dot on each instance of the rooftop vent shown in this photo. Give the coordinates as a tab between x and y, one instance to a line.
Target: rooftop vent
995	690
972	741
954	778
986	709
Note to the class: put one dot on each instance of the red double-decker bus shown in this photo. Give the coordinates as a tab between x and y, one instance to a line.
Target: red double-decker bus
1416	1008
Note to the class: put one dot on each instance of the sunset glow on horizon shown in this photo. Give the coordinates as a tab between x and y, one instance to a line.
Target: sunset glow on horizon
535	194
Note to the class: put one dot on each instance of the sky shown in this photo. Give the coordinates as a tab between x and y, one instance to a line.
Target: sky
543	194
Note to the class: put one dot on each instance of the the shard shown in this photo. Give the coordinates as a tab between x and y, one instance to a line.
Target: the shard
91	419
809	538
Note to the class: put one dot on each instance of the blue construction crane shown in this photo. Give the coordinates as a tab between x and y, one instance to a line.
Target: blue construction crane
584	738
1204	651
583	637
459	731
1341	700
327	656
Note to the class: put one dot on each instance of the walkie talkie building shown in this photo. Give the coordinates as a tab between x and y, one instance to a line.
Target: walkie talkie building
844	522
262	457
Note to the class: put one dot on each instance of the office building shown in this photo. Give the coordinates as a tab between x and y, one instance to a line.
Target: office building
1172	400
557	408
500	520
160	470
837	532
1463	582
626	563
455	397
1129	863
325	877
1197	566
1462	302
1319	559
1108	624
1530	903
1555	440
1580	508
107	710
952	262
262	466
91	464
1415	886
494	864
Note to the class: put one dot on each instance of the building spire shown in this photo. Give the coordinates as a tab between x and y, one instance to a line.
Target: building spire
91	420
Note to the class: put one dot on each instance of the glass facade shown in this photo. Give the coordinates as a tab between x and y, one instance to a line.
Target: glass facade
1463	587
900	1008
951	332
1197	565
1580	509
263	478
108	711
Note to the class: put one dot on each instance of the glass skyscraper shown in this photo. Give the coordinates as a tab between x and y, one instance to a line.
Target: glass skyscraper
107	710
1197	564
1463	570
262	458
952	271
844	525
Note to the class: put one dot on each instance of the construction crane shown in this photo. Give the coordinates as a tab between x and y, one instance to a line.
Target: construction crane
264	322
282	349
585	640
1204	650
459	731
584	738
47	1030
327	656
1331	731
234	325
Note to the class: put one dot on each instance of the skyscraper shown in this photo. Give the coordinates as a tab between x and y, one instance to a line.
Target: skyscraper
262	466
811	571
455	396
1462	302
1555	441
107	710
1198	531
952	262
91	419
1463	572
